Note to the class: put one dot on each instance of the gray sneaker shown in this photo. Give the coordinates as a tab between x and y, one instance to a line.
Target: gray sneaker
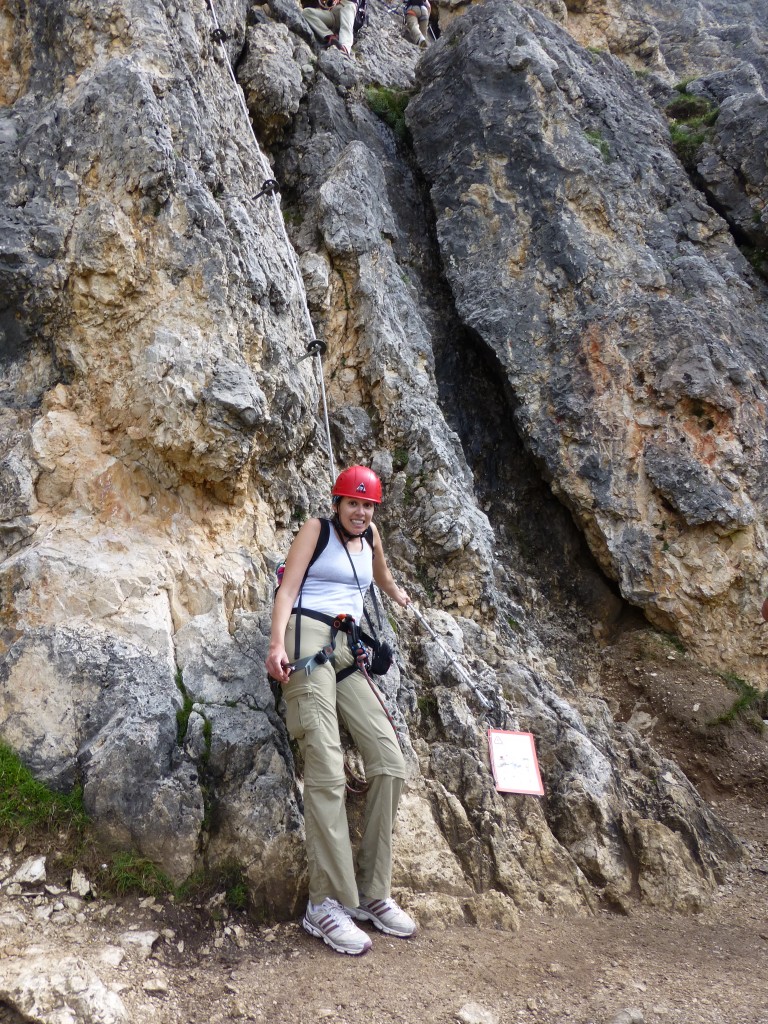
330	922
385	915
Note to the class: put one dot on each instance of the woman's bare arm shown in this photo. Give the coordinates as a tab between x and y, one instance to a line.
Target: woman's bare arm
296	563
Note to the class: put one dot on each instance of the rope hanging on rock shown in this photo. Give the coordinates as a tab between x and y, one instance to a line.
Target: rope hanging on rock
269	188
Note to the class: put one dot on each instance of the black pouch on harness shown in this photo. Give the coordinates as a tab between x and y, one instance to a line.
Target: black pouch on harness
382	657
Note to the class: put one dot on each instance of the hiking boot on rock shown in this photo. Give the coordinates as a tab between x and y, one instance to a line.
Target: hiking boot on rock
330	922
385	915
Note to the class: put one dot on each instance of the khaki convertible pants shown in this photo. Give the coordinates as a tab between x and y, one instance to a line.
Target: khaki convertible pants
339	20
313	704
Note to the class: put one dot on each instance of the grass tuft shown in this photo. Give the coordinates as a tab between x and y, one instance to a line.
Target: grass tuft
182	715
597	140
127	872
690	125
751	705
389	105
758	258
400	458
228	878
670	638
27	805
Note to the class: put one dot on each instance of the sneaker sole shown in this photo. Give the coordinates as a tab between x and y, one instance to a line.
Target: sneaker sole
365	915
319	934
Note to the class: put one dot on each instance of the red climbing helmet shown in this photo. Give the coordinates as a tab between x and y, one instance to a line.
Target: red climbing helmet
358	482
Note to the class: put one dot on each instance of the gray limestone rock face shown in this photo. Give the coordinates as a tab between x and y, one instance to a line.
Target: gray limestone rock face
731	163
160	440
271	75
40	988
236	732
618	307
708	36
598	827
81	706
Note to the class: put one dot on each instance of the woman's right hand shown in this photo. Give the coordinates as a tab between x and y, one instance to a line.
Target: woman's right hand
278	664
277	661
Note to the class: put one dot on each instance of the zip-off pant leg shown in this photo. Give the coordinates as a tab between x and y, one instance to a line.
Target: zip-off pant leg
322	23
347	10
385	771
340	20
417	24
312	721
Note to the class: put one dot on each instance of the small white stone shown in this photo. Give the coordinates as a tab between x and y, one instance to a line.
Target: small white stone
139	942
632	1015
112	956
156	986
79	884
474	1013
31	872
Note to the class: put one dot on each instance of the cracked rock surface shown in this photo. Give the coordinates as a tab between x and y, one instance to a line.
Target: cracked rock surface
539	333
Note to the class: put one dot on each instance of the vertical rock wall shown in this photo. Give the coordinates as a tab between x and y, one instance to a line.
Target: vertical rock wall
159	439
631	328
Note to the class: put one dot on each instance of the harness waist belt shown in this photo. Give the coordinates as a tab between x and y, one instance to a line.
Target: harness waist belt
329	621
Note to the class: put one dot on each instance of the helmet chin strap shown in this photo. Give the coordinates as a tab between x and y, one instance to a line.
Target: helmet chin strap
338	523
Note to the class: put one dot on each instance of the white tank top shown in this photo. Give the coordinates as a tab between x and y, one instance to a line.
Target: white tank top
330	585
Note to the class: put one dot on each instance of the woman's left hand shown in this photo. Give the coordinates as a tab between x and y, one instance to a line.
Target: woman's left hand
401	597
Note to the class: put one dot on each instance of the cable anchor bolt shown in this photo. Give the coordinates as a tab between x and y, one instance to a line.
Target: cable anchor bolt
218	35
268	188
314	348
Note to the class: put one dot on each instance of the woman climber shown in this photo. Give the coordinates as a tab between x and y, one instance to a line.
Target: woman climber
317	608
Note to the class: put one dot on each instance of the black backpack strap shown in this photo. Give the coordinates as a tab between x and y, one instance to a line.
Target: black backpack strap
320	546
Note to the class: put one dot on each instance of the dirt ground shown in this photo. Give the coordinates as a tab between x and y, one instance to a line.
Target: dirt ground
647	967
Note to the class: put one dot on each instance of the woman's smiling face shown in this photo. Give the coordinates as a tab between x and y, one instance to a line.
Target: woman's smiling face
355	514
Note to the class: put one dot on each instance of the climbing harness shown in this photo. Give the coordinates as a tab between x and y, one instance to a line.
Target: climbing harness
358	642
308	665
269	189
362	662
